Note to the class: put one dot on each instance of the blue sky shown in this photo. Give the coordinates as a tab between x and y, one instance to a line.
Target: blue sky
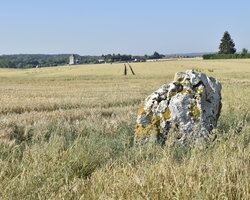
138	27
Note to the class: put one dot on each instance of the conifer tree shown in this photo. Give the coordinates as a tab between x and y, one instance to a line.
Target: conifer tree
227	44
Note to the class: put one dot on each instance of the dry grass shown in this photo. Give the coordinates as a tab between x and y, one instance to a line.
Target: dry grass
67	133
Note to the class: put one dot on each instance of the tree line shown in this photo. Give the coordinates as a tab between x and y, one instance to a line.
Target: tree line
29	61
40	60
44	60
126	58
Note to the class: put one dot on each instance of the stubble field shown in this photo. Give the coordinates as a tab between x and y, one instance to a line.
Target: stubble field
67	133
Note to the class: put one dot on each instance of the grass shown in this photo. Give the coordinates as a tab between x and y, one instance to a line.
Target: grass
67	133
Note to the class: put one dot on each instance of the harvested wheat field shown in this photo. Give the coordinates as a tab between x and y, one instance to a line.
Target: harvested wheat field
67	133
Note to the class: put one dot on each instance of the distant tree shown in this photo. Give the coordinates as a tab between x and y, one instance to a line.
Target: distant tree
156	55
227	45
244	51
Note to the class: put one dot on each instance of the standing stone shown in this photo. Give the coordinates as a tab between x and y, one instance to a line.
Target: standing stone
187	108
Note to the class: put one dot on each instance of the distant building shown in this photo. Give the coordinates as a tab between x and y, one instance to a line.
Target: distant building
139	58
72	59
101	61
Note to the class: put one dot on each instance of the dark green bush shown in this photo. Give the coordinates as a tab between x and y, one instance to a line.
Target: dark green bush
225	56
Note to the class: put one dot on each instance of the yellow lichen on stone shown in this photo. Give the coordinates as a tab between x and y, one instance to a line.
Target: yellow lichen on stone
141	110
155	125
200	89
171	94
166	114
194	111
178	77
185	90
199	93
151	129
198	97
139	130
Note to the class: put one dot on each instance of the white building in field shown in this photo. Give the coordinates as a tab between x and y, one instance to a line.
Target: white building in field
72	59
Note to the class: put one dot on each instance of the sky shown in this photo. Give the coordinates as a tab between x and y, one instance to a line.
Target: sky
137	27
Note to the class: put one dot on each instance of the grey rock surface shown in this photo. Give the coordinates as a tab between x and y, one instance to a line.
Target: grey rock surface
189	107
